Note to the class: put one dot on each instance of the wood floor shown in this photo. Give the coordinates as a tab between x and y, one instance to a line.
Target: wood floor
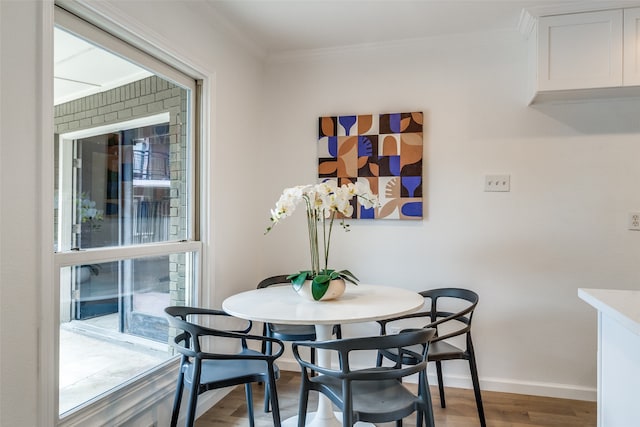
501	409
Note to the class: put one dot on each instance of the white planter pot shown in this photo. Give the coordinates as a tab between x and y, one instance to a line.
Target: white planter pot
336	289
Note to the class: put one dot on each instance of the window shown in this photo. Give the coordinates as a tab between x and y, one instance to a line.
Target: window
125	223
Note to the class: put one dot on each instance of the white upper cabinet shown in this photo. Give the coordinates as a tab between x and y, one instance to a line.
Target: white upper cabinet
580	51
587	55
631	73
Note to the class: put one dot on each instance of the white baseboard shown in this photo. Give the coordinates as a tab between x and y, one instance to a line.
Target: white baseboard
533	388
504	385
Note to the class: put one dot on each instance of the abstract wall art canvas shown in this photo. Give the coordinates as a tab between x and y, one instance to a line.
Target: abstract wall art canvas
384	151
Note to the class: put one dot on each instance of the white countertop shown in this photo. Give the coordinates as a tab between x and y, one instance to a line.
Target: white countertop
621	305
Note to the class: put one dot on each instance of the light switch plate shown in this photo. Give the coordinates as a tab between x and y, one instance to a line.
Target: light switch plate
634	221
500	183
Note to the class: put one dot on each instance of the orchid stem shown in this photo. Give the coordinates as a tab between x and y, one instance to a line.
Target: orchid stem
327	240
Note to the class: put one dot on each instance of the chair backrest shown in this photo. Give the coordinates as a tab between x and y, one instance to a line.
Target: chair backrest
439	316
188	342
274	280
405	343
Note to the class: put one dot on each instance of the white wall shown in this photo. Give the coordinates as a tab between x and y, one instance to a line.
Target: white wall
563	225
20	242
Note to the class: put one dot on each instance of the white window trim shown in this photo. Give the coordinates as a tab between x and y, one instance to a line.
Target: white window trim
140	394
117	127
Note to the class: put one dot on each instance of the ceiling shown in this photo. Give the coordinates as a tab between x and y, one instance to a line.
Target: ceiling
81	69
278	26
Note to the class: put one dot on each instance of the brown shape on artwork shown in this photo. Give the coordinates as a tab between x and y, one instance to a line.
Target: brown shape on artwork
364	124
328	126
411	148
347	156
411	122
388	208
362	161
327	168
347	144
367	167
389	145
347	166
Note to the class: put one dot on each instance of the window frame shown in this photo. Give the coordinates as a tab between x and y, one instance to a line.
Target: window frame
143	392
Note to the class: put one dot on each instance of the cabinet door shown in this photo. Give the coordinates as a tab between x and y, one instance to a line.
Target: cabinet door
631	76
580	51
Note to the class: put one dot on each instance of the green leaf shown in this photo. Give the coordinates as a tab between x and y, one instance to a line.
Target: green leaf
319	286
349	276
322	279
297	280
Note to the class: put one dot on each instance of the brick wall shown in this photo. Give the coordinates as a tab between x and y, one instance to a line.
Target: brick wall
142	98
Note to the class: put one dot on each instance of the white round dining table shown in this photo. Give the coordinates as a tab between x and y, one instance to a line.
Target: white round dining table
361	303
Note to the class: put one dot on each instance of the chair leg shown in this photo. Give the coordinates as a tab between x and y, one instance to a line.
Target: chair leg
273	392
337	329
427	411
263	346
419	412
429	420
267	350
191	407
193	394
249	394
427	416
347	405
267	406
440	384
476	388
177	399
304	399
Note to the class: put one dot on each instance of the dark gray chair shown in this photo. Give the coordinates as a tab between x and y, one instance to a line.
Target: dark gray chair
448	324
285	332
202	370
369	393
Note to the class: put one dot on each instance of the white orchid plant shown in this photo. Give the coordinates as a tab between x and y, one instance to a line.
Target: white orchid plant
87	211
323	203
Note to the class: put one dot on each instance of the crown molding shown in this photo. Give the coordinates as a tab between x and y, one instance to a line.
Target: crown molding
451	40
